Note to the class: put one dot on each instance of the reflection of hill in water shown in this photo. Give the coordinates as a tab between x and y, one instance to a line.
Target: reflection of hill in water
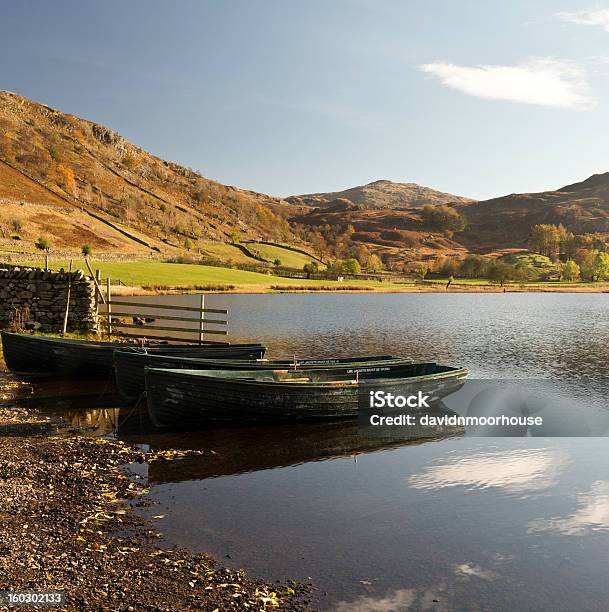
236	451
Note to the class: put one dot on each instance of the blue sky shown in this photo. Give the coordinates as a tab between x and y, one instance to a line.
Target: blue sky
476	98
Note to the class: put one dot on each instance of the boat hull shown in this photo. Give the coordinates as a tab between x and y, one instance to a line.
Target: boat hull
130	366
177	399
44	356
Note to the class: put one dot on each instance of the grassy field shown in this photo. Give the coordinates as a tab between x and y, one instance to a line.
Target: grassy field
288	258
160	275
155	273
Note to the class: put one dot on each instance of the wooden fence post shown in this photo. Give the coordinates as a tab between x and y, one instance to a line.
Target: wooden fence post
202	319
109	305
46	262
65	318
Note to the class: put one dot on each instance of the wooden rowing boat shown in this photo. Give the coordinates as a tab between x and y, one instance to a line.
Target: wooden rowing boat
46	356
130	365
179	398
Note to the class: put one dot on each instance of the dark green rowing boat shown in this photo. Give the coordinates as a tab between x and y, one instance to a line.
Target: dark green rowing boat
180	398
46	356
130	365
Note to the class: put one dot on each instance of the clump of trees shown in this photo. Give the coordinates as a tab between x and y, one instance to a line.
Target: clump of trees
347	266
578	255
86	250
311	268
443	218
480	266
559	244
590	265
593	264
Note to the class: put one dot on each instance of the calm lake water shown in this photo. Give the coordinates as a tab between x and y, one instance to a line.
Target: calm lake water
459	523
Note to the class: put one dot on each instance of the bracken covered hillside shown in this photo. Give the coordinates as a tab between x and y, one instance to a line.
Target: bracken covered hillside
79	182
506	222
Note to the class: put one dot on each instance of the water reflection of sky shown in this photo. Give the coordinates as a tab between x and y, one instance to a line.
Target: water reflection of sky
515	471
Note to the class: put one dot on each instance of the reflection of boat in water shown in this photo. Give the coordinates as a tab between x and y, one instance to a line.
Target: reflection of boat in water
179	398
63	395
90	407
237	451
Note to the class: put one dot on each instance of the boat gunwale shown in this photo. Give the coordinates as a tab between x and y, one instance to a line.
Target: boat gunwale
201	374
122	346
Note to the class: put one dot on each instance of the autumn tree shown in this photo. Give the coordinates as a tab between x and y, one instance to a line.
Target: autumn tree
362	254
447	266
374	264
601	267
586	260
569	271
63	176
545	240
351	266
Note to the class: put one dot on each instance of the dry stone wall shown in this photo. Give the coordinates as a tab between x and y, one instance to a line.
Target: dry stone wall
37	299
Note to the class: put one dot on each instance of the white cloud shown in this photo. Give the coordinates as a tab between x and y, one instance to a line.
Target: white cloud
544	82
594	18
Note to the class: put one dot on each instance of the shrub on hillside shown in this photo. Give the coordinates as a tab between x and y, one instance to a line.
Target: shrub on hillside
43	244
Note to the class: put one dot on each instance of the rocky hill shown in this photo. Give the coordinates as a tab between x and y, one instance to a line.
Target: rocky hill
79	182
381	194
505	222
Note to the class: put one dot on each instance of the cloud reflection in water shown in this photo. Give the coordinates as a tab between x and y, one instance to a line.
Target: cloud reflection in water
592	515
515	471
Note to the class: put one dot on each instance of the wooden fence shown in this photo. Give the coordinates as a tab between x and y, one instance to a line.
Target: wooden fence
144	318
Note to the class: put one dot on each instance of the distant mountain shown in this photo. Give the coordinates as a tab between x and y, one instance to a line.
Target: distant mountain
506	221
382	194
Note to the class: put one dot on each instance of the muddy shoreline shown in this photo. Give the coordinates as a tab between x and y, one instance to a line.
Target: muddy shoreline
67	524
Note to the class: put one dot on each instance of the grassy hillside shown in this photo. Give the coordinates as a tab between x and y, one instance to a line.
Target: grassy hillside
226	252
287	257
53	159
